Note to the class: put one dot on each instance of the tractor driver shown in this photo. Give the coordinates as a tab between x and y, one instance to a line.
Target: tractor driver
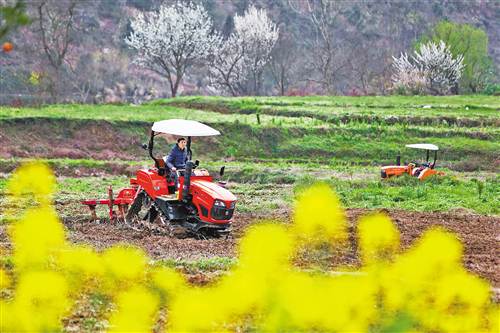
177	157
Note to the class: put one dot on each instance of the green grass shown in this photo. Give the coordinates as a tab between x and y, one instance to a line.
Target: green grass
276	144
372	145
408	193
212	264
443	106
456	101
268	186
467	142
146	113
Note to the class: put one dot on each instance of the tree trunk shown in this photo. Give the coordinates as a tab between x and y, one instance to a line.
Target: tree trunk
282	81
173	91
178	78
54	86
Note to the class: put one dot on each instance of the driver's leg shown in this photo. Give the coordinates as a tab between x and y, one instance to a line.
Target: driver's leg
176	180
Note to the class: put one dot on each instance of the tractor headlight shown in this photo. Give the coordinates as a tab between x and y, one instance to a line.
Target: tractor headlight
232	205
219	203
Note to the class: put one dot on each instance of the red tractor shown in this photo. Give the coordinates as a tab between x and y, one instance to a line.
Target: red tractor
197	204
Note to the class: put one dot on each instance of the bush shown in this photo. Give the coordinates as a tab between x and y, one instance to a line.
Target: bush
492	89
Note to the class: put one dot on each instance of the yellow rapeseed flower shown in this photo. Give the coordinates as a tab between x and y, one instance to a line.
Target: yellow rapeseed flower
36	238
4	279
33	179
168	281
81	265
318	216
136	311
426	287
41	300
378	238
124	265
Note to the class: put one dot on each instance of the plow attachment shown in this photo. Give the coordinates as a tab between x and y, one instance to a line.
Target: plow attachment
122	201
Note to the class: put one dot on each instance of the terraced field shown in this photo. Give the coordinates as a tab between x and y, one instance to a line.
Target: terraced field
273	148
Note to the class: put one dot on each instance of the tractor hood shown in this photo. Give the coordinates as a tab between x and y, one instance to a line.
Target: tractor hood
211	189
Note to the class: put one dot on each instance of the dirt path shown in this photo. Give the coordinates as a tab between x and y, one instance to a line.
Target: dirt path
479	234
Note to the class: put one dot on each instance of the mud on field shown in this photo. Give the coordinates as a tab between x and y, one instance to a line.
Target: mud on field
479	235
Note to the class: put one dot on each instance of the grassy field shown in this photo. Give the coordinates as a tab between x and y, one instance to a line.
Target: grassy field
272	146
327	130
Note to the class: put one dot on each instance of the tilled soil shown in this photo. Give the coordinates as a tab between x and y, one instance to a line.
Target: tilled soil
103	235
479	234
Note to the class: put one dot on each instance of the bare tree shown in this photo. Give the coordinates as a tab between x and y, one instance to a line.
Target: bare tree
326	55
226	70
369	66
239	60
282	64
56	23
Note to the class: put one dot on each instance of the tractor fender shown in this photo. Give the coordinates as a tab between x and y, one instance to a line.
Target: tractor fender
393	170
426	173
151	182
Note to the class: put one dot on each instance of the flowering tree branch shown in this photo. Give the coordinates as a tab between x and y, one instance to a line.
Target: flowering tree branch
238	62
432	69
172	39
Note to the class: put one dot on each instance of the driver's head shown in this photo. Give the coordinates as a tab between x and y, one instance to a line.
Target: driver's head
181	142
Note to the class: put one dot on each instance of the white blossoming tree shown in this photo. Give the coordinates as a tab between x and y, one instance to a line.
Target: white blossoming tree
172	39
442	71
407	76
432	69
238	61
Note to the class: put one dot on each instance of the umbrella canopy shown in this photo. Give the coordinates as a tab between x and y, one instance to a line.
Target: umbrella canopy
425	146
183	127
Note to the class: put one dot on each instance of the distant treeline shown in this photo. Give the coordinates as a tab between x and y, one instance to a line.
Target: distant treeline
82	51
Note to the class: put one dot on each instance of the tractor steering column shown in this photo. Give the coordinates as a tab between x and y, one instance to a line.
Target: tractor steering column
187	181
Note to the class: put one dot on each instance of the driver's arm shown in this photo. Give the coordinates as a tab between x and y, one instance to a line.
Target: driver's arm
170	160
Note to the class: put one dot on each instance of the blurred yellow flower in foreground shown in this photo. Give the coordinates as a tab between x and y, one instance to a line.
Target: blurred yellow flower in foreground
422	289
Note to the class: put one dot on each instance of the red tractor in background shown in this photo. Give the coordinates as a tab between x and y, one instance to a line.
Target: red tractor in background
197	204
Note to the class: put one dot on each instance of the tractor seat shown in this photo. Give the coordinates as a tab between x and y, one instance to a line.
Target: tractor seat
162	168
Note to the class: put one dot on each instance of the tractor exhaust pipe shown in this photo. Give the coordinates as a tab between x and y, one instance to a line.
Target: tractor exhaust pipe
187	180
398	159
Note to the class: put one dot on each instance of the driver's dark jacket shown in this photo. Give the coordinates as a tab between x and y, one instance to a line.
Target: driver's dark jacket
177	158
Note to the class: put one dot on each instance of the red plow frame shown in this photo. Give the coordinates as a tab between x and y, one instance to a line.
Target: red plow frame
124	198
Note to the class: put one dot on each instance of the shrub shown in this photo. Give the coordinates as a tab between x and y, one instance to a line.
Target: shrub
492	89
